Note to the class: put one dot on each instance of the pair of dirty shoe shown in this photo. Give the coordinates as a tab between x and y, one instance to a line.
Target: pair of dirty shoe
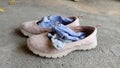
40	43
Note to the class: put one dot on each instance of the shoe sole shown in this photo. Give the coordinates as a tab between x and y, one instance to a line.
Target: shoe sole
62	54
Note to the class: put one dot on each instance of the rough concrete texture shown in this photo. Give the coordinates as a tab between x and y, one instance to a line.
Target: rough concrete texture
109	7
15	54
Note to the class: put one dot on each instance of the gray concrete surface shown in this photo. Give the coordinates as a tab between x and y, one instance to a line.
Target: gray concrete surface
15	54
109	7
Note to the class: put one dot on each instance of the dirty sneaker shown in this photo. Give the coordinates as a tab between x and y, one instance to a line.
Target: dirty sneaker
42	45
44	25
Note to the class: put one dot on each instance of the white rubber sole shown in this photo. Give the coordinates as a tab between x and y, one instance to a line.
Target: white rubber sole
62	54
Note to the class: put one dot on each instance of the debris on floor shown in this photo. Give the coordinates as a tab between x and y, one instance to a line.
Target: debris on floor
12	2
2	9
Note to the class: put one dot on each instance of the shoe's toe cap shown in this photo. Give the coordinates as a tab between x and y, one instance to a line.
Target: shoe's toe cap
30	26
40	43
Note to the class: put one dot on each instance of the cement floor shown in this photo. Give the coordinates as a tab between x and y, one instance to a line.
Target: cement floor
15	54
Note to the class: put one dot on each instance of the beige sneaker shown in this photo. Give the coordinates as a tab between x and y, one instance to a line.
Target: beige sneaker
42	46
31	27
